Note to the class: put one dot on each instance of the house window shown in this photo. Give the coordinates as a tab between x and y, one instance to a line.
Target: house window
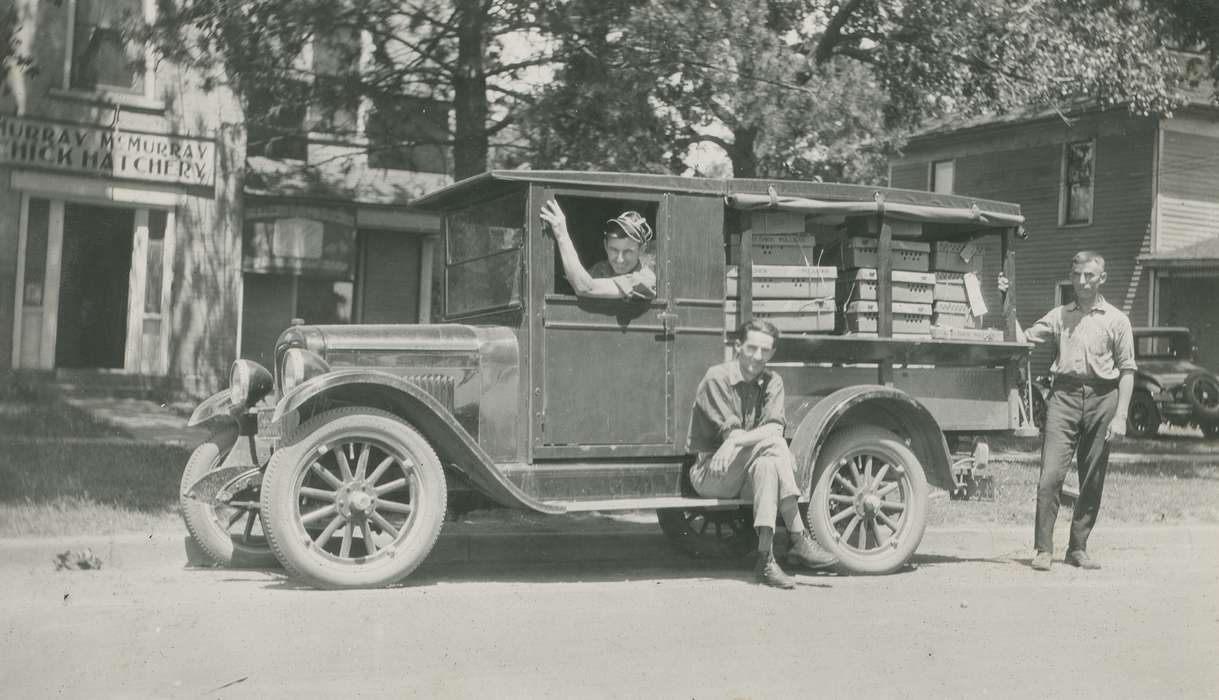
942	174
1077	172
409	134
102	58
276	120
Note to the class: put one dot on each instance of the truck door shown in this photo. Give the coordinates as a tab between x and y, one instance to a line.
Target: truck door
602	369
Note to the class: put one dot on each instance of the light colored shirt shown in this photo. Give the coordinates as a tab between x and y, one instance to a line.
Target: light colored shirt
725	401
637	285
1093	344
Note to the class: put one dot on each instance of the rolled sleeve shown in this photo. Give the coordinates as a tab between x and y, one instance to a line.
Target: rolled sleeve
637	286
715	401
1123	347
1046	328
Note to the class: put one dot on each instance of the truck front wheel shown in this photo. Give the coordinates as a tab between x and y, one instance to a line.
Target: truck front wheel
230	533
869	501
354	499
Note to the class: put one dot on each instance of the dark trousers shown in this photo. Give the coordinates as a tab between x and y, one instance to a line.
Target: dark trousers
1077	418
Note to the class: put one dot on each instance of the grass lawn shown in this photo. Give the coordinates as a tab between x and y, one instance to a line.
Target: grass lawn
56	487
1134	494
63	472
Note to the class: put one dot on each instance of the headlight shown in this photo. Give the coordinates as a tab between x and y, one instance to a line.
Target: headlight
248	383
299	365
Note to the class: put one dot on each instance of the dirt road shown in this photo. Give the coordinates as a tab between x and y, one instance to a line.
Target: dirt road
970	620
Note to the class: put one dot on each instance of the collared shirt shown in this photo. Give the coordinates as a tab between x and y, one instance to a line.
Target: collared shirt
725	401
1092	344
637	285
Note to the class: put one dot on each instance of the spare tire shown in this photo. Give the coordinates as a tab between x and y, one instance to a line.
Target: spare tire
1202	390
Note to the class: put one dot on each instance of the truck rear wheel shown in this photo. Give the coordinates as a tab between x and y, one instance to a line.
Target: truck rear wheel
710	533
230	534
869	501
355	499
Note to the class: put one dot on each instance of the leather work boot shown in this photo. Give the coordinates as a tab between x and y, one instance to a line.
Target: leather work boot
767	572
806	552
1081	559
1041	562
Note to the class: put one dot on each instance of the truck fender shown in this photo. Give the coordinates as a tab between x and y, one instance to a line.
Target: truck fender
240	468
872	404
215	406
417	407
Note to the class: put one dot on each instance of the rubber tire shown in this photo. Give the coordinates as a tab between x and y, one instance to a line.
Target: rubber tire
1039	409
1141	404
1208	382
853	440
743	539
200	518
279	500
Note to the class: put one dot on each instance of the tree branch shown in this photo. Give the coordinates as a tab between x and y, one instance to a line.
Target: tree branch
833	31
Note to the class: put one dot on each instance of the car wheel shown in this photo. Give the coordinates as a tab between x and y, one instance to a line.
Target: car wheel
716	533
1144	417
230	533
355	499
1039	409
869	502
1202	388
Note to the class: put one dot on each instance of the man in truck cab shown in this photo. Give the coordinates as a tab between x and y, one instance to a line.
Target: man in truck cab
737	431
624	274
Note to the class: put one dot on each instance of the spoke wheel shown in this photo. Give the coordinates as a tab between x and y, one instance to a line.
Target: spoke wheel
710	532
355	500
1144	418
231	534
869	502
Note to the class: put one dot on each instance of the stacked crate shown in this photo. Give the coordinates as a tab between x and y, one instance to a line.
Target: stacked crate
951	305
952	317
789	289
912	286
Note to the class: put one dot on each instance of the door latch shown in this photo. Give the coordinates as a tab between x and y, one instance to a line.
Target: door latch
668	320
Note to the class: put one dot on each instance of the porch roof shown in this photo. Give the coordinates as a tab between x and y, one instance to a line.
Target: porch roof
1204	253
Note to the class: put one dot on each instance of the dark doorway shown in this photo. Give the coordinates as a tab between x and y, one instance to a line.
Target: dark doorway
1181	304
94	278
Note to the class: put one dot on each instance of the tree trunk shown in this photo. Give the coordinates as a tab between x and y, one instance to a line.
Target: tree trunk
470	92
744	160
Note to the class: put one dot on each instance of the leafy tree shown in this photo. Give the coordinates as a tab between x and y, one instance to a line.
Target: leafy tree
819	88
387	53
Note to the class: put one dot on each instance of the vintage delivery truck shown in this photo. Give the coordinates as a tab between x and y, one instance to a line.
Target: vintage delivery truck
340	458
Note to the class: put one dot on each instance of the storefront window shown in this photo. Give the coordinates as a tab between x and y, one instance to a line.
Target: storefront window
36	251
323	301
154	265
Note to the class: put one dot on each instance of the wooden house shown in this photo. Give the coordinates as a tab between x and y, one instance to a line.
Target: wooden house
1141	190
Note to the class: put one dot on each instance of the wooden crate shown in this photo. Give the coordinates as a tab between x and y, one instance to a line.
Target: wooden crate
786	281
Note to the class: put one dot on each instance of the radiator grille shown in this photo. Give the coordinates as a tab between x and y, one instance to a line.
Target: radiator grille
439	386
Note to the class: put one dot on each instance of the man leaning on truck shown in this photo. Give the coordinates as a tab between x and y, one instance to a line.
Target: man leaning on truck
1093	380
737	430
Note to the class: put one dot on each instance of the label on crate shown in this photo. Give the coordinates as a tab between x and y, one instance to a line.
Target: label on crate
872	307
787	272
869	274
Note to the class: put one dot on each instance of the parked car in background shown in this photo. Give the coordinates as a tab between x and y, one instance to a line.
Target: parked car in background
1169	386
